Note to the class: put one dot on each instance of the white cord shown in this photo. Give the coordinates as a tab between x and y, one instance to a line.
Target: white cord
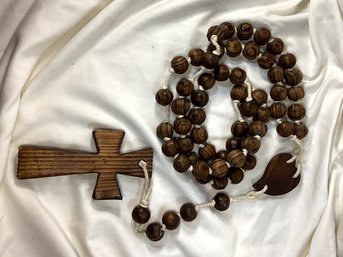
170	72
249	196
205	205
214	41
197	74
297	155
235	105
144	202
249	87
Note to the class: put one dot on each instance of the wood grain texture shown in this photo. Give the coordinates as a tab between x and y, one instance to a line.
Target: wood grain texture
38	162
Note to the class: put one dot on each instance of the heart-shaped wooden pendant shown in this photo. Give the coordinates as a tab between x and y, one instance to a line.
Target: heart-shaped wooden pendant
278	176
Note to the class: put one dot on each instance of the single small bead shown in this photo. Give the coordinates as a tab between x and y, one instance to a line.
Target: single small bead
228	29
181	163
199	135
193	157
295	93
221	72
293	77
219	168
188	212
258	128
239	129
170	148
210	60
245	31
164	97
278	93
251	144
216	30
239	93
180	106
262	36
154	231
184	145
296	111
182	125
236	158
206	80
235	175
208	152
164	130
233	47
199	98
266	61
287	60
285	128
276	74
222	201
185	87
222	154
276	46
251	50
171	220
238	76
248	109
179	64
277	110
204	181
220	183
141	214
197	56
300	130
260	96
233	143
250	162
263	114
211	48
197	116
200	169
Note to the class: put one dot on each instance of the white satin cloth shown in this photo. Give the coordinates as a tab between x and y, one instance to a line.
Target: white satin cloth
68	67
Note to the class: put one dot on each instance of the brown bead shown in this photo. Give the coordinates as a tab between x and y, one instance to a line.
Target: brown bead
180	106
216	30
250	162
287	60
164	130
276	46
210	60
244	31
197	116
171	220
275	74
293	77
300	130
219	183
184	145
179	64
260	96
285	128
164	97
239	93
185	87
262	36
221	72
278	93
235	175
263	114
199	98
236	158
248	109
219	168
208	152
233	47
296	111
170	148
199	135
277	110
204	181
222	201
154	231
258	128
141	214
295	93
238	76
251	51
239	129
197	56
188	212
181	163
211	48
200	169
193	157
182	125
206	80
222	154
228	29
251	144
233	143
266	61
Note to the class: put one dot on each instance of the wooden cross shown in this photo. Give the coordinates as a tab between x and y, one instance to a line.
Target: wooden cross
37	162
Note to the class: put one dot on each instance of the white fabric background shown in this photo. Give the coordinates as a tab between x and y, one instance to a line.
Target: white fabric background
97	64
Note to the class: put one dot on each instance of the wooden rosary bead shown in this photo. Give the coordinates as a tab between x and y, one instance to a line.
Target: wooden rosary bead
180	106
181	163
248	109
222	154
266	61
184	145
154	231
245	31
258	128
293	77
197	116
182	125
233	47
211	48
221	72
263	114
262	36
287	60
164	97
222	201
219	168
251	144
251	50
238	76
171	220
296	111
179	64
210	60
206	80
201	169
235	175
220	183
197	56
208	152
229	30
285	128
260	96
276	74
164	130
193	157
236	158
300	130
239	93
250	162
278	93
204	181
140	214
185	87
295	93
199	98
277	110
199	135
216	30
170	148
188	212
276	46
239	129
233	143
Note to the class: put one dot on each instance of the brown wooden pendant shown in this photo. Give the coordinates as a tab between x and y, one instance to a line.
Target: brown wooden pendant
278	176
37	162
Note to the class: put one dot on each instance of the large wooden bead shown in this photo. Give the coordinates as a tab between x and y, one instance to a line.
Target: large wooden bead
179	64
250	162
197	56
276	46
239	129
193	157
220	183
277	110
154	231
188	212
300	130
258	127
204	181
211	48
222	154
263	114
140	214
236	158
285	128
216	30
170	148
276	74
287	60
233	47
199	135
165	130
182	125
185	87
171	220
293	77
206	80
296	112
251	50
184	145
219	168
262	36
233	143
251	144
210	60
199	98
238	76
221	72
245	31
164	97
235	175
197	116
248	109
208	152
239	93
229	30
260	96
266	61
201	169
222	201
180	106
278	93
295	93
181	163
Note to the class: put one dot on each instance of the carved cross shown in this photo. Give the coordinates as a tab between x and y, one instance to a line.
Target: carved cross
37	162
